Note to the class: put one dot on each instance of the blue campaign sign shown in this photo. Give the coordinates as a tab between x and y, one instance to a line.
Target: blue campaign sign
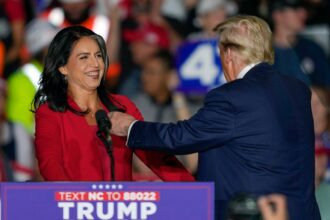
105	200
199	67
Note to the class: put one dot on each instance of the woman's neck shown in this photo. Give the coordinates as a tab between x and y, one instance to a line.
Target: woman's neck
86	100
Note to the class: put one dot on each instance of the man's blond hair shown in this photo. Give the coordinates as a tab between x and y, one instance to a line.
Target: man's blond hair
250	36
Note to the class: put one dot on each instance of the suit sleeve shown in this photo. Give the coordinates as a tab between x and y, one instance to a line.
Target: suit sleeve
212	126
48	145
164	165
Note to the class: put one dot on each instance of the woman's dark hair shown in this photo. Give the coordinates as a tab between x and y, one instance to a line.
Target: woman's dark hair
53	85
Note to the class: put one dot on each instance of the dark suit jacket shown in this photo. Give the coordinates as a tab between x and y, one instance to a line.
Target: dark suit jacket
253	135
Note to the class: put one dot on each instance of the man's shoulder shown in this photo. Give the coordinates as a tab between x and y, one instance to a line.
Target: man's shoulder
227	91
265	73
262	76
233	86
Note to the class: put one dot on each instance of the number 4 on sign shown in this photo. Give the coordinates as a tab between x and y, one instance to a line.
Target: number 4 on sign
201	65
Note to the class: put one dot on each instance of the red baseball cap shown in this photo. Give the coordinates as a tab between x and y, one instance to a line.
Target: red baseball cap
149	33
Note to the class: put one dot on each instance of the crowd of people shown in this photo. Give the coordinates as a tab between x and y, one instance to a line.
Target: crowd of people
141	41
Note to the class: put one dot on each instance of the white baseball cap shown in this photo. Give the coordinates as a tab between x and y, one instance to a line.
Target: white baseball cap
206	6
38	35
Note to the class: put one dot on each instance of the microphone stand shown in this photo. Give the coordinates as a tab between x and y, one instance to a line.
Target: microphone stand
108	147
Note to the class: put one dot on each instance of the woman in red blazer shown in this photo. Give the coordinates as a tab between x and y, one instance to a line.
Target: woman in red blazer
71	91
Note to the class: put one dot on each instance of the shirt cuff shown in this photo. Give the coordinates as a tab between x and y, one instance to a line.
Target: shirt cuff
129	131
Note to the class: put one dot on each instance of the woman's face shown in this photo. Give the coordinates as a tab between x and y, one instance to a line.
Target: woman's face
85	67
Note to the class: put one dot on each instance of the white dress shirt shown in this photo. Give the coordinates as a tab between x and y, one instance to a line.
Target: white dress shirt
245	70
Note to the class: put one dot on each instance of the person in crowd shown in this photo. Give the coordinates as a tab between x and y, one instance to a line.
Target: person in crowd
320	110
144	41
177	15
254	134
306	58
159	102
16	148
2	56
209	14
139	35
273	207
23	84
313	60
12	18
246	206
322	186
78	12
259	8
318	11
71	92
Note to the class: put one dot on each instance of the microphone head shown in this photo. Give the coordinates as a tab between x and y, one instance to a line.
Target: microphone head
102	120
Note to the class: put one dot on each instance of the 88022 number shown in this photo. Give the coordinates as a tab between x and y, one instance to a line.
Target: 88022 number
141	196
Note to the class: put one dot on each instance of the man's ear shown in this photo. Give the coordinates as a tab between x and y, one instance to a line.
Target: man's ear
229	55
63	70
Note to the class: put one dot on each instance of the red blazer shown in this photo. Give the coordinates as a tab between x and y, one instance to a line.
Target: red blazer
68	149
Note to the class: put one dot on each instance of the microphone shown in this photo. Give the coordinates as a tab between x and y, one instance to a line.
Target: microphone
103	133
103	124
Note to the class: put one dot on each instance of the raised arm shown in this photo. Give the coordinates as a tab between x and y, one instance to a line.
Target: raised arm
211	126
164	165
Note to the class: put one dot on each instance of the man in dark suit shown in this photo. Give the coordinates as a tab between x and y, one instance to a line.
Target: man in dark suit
254	134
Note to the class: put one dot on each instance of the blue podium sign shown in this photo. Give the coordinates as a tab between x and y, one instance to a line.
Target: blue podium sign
103	200
199	67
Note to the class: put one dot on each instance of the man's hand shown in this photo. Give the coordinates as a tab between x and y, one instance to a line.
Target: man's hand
120	123
273	207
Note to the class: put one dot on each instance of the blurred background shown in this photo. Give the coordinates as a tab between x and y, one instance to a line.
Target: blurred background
164	56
